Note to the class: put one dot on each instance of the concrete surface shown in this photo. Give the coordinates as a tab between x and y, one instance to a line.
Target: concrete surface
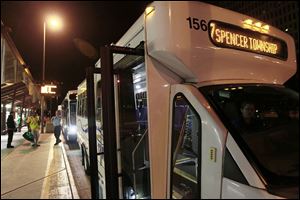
35	172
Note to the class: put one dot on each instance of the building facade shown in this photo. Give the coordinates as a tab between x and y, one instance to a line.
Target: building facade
19	92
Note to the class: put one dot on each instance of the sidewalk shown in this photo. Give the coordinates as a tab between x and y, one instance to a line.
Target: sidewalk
35	172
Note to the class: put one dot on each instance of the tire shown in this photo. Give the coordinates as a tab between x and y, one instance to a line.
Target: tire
82	155
129	193
64	134
72	139
86	164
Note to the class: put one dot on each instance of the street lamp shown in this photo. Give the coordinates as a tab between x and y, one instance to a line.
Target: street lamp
54	23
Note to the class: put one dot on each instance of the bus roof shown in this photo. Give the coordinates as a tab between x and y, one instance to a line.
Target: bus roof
67	97
203	43
81	87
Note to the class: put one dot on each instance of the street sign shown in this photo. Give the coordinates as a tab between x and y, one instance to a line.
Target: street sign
48	89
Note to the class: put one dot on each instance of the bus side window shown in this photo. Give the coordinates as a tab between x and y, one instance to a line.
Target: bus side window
84	105
231	169
185	150
99	102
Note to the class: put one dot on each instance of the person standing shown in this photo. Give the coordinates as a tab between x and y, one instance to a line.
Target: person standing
57	126
248	122
11	127
34	124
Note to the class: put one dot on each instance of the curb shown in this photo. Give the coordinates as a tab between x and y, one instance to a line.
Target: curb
70	175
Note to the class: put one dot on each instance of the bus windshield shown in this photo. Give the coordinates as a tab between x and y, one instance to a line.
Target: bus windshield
264	121
73	112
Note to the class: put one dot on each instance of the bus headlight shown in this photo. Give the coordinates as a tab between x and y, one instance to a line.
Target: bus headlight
73	130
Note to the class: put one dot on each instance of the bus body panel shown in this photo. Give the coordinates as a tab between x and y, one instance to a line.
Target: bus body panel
80	121
159	80
82	133
191	54
132	37
69	116
235	190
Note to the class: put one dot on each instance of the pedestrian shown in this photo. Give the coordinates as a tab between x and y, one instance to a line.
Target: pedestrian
57	126
11	128
28	125
248	122
34	124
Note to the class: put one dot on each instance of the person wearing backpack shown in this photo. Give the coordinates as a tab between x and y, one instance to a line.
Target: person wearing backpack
34	124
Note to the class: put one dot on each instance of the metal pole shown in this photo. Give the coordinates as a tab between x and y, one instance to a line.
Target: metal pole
3	118
21	119
13	101
92	132
43	79
109	124
44	51
109	120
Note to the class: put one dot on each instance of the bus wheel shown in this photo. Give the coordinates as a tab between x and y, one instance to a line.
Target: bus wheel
86	163
82	155
129	193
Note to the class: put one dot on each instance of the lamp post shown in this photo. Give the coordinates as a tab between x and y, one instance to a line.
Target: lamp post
55	23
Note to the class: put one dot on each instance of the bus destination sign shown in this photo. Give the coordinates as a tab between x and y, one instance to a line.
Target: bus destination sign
230	36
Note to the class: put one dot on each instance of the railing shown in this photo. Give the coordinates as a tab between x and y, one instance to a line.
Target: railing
133	161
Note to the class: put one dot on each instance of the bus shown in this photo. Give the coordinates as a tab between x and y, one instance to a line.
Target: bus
175	103
68	106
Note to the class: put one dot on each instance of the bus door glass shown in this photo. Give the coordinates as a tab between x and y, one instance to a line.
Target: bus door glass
99	136
133	130
185	150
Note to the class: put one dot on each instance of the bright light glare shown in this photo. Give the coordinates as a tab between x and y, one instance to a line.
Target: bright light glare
266	27
73	130
256	26
248	21
149	10
54	22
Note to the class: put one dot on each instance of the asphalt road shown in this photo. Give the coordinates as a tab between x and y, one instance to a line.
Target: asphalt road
82	181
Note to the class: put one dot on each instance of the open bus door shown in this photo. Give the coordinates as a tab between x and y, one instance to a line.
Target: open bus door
125	134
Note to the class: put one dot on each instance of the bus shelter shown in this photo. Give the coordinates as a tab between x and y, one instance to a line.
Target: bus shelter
19	92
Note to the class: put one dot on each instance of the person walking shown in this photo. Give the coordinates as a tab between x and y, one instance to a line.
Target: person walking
11	127
34	124
57	126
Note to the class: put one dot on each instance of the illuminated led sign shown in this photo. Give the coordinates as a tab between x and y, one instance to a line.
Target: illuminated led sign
47	89
230	36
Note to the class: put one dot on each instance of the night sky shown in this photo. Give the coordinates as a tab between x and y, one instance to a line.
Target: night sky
99	23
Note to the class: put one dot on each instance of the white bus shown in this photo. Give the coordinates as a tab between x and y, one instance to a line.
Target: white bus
69	128
179	110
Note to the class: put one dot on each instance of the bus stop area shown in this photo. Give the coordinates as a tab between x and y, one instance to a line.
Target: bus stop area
35	172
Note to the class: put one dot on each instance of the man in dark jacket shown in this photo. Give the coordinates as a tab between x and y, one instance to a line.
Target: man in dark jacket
11	127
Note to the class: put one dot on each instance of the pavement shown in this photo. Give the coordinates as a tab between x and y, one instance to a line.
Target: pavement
35	172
